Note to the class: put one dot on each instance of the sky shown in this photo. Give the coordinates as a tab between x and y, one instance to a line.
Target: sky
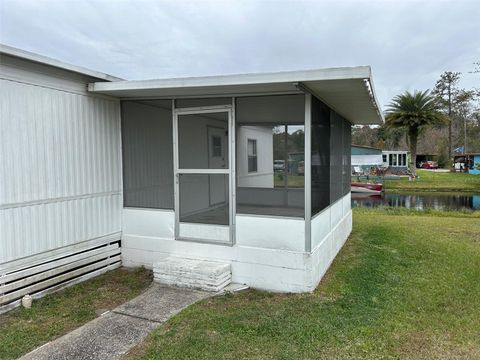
407	43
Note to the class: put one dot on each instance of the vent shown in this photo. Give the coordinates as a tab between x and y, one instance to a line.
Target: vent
57	269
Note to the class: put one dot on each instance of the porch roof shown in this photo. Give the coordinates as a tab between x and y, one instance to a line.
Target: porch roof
347	90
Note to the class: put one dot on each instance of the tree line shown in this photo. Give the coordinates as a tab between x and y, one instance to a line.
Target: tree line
442	122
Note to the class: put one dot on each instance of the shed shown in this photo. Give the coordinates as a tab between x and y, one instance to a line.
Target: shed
197	155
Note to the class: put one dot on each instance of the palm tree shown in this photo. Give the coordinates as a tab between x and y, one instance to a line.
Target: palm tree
414	112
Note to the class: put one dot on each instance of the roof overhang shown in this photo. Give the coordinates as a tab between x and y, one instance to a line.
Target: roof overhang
36	58
349	90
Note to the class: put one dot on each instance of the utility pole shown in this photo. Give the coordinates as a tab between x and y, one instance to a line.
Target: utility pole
449	121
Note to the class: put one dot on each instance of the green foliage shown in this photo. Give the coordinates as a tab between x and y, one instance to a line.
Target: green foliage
414	112
404	286
458	104
443	158
381	137
295	142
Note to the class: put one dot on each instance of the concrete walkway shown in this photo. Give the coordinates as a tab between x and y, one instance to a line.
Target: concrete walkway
114	333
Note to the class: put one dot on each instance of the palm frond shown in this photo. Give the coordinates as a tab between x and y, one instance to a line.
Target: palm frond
414	111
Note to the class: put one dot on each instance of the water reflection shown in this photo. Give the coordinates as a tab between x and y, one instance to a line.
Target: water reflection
418	201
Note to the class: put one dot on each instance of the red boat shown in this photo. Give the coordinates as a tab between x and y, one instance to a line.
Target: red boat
367	188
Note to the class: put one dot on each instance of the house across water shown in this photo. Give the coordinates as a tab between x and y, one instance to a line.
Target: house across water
396	160
364	158
467	163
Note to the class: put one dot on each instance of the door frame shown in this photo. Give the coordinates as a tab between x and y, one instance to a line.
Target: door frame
230	171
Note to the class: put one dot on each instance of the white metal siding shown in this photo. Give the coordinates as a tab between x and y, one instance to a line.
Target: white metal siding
60	168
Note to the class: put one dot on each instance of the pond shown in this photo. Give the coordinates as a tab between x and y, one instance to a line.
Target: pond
419	201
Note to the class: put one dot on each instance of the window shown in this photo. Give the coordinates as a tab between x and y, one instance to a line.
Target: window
270	179
384	158
395	159
390	159
252	155
216	146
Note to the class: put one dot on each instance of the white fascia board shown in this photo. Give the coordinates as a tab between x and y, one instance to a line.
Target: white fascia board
337	87
360	72
22	54
375	99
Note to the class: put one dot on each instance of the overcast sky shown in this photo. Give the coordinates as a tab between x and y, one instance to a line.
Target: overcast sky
407	43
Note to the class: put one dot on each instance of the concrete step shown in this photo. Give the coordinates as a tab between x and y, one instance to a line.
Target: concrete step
193	273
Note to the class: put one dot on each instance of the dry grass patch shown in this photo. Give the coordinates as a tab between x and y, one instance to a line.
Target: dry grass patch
22	330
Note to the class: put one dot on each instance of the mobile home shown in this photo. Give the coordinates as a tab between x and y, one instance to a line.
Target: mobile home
395	160
251	170
365	157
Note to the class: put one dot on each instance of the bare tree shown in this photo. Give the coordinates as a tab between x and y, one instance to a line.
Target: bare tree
446	91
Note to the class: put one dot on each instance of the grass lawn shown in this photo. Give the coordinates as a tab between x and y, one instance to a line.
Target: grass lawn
433	181
22	330
406	285
294	181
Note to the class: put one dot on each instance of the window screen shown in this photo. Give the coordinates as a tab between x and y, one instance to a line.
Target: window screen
347	157
203	141
336	156
147	149
203	198
276	124
320	150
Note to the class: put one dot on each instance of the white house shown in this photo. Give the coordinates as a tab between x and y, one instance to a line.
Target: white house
97	171
395	159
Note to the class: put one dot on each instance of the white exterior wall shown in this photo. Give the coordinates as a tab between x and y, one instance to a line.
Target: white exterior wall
268	252
263	177
330	229
367	160
60	160
395	154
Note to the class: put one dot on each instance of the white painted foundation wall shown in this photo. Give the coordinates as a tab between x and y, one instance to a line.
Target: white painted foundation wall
268	253
60	162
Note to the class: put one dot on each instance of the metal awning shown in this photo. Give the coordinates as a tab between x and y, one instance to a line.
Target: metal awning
369	160
349	90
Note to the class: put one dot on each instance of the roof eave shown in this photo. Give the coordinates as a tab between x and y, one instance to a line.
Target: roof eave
27	55
356	80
